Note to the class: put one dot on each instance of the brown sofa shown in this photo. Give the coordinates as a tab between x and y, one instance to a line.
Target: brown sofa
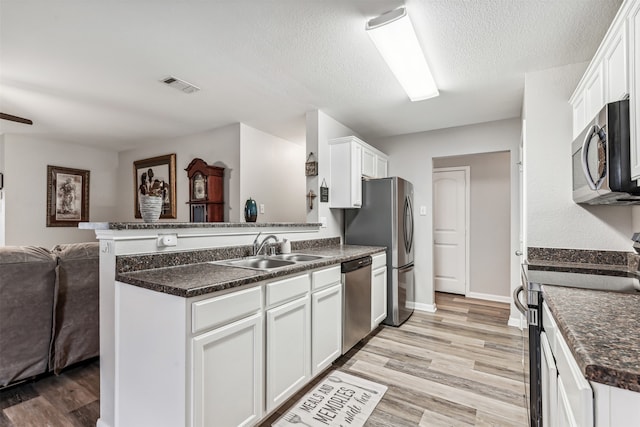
48	308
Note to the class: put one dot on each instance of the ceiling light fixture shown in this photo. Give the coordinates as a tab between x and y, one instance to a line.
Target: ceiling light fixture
395	38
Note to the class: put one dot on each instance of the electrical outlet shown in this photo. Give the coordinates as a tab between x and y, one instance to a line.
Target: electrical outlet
423	210
167	240
323	221
261	208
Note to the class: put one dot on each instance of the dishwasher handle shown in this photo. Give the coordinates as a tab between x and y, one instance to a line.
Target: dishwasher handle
356	264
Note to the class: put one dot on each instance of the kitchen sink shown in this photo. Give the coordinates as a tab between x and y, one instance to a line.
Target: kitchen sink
257	262
267	263
298	257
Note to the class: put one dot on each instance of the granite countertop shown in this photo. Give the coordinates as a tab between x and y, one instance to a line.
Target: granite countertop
601	329
204	278
162	225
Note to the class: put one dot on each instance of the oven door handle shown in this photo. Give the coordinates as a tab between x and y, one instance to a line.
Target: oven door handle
516	300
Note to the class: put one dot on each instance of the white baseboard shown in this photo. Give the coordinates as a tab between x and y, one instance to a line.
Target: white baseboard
429	308
489	297
516	322
101	423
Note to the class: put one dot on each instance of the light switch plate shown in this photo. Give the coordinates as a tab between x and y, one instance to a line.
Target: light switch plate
423	210
261	208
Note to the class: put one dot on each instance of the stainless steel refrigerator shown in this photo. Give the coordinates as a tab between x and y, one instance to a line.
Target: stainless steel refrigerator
386	219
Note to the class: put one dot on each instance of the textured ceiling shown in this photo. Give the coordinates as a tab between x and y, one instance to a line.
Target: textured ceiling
88	70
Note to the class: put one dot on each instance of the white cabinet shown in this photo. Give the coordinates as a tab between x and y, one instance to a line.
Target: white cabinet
350	160
345	186
594	92
326	318
369	163
378	289
227	374
634	86
616	65
382	166
288	337
549	384
326	326
579	114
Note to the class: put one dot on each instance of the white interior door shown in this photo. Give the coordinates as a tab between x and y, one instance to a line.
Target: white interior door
450	200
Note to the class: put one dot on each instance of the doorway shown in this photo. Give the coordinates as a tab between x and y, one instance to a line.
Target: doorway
487	266
450	229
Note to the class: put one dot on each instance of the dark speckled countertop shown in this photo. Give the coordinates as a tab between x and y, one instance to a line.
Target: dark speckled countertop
204	278
601	329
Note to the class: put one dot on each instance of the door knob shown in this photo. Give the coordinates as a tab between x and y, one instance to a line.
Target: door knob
518	252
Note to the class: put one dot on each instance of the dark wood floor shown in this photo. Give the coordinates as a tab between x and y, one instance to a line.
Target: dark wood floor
460	366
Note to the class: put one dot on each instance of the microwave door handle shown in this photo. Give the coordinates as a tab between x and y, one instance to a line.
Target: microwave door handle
585	164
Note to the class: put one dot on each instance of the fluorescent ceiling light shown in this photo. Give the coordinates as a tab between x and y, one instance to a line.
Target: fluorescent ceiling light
396	40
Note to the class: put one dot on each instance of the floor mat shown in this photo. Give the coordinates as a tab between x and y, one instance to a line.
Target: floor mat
340	400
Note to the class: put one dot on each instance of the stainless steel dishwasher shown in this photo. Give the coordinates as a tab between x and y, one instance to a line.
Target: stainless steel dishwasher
356	312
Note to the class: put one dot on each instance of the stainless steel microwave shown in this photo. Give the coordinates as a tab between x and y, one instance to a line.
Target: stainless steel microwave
601	159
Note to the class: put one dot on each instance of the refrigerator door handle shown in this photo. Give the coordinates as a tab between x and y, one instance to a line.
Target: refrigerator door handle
408	225
405	268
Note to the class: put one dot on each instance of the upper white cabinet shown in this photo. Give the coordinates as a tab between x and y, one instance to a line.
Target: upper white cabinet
633	21
350	160
607	76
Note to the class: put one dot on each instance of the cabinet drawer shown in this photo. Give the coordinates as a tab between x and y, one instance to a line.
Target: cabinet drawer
326	277
224	309
378	260
287	289
579	394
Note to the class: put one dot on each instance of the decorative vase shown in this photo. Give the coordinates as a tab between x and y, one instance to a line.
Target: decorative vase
150	208
250	210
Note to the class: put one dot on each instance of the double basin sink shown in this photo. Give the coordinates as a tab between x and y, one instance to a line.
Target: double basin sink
267	263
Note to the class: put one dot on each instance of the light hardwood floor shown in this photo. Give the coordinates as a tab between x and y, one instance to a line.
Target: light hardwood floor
460	366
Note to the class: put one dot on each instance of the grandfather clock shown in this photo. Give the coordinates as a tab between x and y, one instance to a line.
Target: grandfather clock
206	192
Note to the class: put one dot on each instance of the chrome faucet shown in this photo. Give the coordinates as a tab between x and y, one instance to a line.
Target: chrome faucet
257	247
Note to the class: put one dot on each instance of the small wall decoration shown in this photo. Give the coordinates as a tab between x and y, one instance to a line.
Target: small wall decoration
311	166
67	196
310	196
324	192
163	170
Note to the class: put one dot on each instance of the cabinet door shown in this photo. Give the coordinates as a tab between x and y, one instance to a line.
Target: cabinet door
579	115
549	380
345	186
565	415
288	350
356	175
634	86
378	296
227	375
616	66
594	92
381	167
326	327
368	163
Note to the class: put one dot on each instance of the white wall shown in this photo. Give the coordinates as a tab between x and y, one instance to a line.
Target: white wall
411	157
490	204
553	219
25	191
218	147
320	129
272	173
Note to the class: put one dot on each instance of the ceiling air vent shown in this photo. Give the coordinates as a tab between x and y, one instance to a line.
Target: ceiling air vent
181	85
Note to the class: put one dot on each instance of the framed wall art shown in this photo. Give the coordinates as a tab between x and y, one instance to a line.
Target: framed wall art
67	196
156	176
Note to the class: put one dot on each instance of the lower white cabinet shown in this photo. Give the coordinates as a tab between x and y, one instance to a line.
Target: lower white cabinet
288	358
326	327
549	383
228	380
378	289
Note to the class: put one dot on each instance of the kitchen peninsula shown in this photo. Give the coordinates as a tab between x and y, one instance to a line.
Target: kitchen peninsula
171	315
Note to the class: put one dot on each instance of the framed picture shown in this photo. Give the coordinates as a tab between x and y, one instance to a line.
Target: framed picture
67	196
163	170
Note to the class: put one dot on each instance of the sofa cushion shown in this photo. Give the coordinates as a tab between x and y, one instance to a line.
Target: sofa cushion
77	329
27	292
